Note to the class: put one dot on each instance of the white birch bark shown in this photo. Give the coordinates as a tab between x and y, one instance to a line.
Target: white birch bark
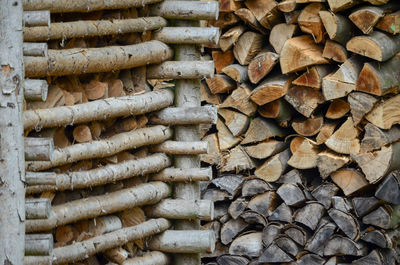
192	10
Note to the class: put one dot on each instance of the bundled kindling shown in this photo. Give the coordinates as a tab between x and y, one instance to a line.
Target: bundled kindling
98	110
94	60
147	193
82	250
99	176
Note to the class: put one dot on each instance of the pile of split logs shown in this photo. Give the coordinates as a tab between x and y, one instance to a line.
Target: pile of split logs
306	146
100	145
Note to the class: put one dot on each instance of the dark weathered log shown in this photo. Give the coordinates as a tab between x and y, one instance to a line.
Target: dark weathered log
291	194
37	208
229	182
271	232
346	222
311	259
324	193
317	242
255	186
377	237
248	245
389	189
342	204
198	10
360	104
231	229
38	149
310	214
264	204
282	213
338	245
364	205
298	234
385	217
232	260
38	244
274	254
375	138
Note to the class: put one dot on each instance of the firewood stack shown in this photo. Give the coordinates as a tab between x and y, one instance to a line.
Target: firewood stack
99	121
306	146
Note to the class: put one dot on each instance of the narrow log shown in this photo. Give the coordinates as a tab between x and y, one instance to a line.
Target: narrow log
344	140
185	116
98	110
375	138
390	23
36	18
35	89
39	178
37	208
378	45
181	148
38	244
91	207
313	76
360	104
150	258
38	260
339	5
187	241
304	99
76	61
334	51
220	84
247	47
104	148
83	6
384	115
208	10
337	109
280	33
187	35
38	149
181	70
80	250
183	175
99	176
92	28
271	89
34	49
182	209
311	23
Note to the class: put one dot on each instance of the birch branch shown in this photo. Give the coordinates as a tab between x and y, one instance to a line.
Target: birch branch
38	244
181	148
150	258
185	116
38	149
207	10
38	260
181	70
35	89
188	35
34	48
36	18
37	208
184	175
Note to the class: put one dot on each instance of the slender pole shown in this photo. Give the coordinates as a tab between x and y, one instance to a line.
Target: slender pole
12	171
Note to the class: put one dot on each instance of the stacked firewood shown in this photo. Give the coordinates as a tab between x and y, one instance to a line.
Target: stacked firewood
306	146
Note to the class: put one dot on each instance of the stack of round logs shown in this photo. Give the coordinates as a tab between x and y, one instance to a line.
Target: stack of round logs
306	148
112	146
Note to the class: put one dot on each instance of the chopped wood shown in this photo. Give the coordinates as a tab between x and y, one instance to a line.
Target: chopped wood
248	245
274	254
360	104
270	232
339	28
232	260
349	180
231	229
366	17
236	122
237	160
310	215
274	167
247	47
291	194
308	127
248	18
266	12
287	245
264	204
334	51
384	114
324	193
338	245
229	38
280	33
304	99
287	5
328	162
310	22
337	109
389	189
261	129
271	89
237	72
364	205
313	76
317	242
376	237
296	233
344	140
305	156
229	5
375	138
282	213
278	109
82	134
237	207
226	139
390	23
384	217
220	84
239	99
214	156
339	5
261	65
255	186
222	59
265	149
326	132
346	222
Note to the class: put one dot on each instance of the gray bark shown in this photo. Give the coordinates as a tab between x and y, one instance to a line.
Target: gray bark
207	10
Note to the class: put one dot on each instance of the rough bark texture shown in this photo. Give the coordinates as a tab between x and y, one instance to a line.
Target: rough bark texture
190	10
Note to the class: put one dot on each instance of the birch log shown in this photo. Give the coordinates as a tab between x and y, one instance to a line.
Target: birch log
182	209
150	258
92	28
100	176
98	110
181	70
93	60
34	48
82	250
35	89
64	6
148	193
12	193
37	208
38	149
37	18
184	175
40	178
187	35
38	244
192	10
182	148
185	116
103	148
38	260
185	241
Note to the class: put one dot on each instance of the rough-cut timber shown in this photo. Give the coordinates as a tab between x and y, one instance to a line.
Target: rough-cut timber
147	193
98	110
191	10
104	148
92	60
188	35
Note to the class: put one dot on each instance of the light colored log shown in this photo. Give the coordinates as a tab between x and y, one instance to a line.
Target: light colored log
36	18
35	48
385	114
81	250
148	193
345	139
181	148
150	258
103	148
184	175
84	5
185	116
38	149
188	241
92	28
187	35
181	70
98	110
192	10
40	178
38	260
93	60
35	89
99	176
38	244
182	209
12	195
37	208
338	27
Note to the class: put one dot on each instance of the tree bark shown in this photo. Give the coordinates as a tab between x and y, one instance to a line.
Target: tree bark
35	49
185	116
35	90
36	18
150	258
182	209
183	175
38	244
190	10
181	70
187	35
37	208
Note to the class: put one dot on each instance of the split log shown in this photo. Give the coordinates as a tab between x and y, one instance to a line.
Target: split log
274	254
187	35
181	70
185	116
339	5
83	6
38	244
247	47
313	76
384	217
186	10
231	229
37	208
270	232
261	65
229	38
282	213
149	258
389	23
296	233
239	100
36	18
304	99
255	186
317	242
344	140
310	22
80	250
91	207
265	149
328	162
338	245
35	89
181	147
249	245
326	132
232	260
287	6
349	180
34	49
291	194
324	193
366	17
250	19
360	104
264	204
378	45
237	207
92	28
237	72
305	156
384	115
274	167
346	222
103	148
237	160
278	109
185	241
222	59
220	84
271	89
280	33
38	149
225	139
389	189
76	61
339	28
182	209
337	109
377	2
99	176
364	205
266	12
262	129
334	51
236	122
375	138
183	175
310	215
229	182
308	127
377	237
38	260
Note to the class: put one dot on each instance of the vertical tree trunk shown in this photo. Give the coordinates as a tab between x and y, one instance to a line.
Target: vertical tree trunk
12	172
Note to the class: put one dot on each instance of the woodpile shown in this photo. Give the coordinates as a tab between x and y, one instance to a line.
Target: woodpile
306	146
